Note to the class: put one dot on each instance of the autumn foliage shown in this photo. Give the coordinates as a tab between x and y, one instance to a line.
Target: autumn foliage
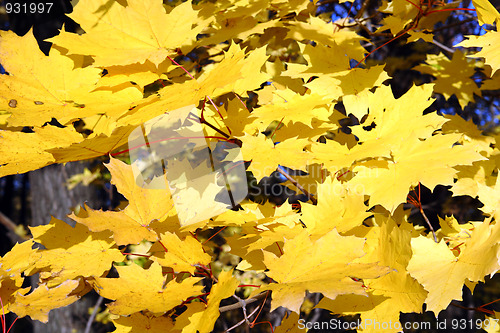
350	239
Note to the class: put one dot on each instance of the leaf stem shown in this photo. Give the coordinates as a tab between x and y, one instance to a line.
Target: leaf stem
175	62
297	185
428	223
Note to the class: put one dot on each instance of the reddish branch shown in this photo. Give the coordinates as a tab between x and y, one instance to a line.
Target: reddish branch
418	204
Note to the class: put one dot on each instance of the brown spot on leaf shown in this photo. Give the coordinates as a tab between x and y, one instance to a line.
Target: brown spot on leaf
12	103
38	103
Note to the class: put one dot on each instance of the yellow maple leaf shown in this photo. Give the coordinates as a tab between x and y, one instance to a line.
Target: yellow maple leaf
290	324
351	85
272	227
323	266
125	229
67	258
20	259
302	131
235	116
321	59
198	192
203	319
234	27
92	147
237	72
339	206
22	152
290	107
140	31
335	156
390	294
149	291
280	81
10	287
490	52
486	12
145	204
404	293
263	215
285	224
454	233
266	156
285	7
490	323
443	274
181	255
395	117
371	308
139	322
276	233
453	77
326	33
489	196
140	74
41	87
38	303
429	162
392	117
472	133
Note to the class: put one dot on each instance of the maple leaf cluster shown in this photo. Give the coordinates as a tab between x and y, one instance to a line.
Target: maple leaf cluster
351	241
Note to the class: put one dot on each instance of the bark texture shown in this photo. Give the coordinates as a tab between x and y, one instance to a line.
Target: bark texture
51	197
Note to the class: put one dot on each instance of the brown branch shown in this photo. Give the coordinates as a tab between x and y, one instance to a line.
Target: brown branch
241	304
428	222
362	9
479	309
241	322
14	236
444	47
454	24
94	314
297	185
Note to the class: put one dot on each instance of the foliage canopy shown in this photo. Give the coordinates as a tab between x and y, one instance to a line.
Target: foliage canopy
276	73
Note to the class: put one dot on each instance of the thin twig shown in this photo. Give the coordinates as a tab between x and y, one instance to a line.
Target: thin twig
6	222
454	24
444	47
418	204
428	223
94	313
242	321
243	308
362	9
297	185
175	62
239	305
479	309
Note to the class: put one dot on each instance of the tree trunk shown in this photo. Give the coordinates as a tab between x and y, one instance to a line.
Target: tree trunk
51	197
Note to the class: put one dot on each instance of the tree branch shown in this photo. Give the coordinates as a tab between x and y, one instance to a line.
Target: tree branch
297	185
14	236
94	314
242	303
